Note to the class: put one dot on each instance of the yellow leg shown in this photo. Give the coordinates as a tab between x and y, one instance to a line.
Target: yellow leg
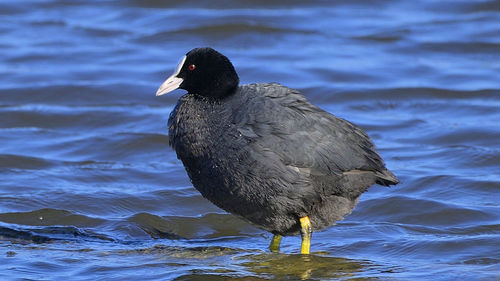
275	243
306	233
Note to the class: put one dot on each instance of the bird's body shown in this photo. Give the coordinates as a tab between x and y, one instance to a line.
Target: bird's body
264	153
269	156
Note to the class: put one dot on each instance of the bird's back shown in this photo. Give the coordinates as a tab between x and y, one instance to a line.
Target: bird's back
305	136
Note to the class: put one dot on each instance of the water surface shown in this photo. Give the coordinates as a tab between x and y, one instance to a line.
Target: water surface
91	190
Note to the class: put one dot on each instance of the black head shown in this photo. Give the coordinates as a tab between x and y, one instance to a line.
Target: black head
204	72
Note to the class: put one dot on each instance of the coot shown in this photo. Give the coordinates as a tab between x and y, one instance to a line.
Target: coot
264	153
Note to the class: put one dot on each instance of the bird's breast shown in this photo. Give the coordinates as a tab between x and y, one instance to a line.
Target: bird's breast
192	134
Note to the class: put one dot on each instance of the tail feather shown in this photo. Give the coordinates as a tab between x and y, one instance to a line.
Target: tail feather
386	178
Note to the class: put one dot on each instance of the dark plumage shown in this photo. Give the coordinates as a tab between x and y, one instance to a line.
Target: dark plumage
263	152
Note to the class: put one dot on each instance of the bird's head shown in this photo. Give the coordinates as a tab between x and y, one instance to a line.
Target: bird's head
204	72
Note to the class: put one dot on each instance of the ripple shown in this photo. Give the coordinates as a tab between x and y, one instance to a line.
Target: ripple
422	211
49	217
220	30
8	161
208	226
385	36
49	235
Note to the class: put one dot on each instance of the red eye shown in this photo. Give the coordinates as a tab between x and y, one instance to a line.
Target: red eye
191	67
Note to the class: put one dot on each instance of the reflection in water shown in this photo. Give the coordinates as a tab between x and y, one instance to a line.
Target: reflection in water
304	267
287	267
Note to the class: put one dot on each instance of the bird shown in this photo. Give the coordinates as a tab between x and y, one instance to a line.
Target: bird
264	153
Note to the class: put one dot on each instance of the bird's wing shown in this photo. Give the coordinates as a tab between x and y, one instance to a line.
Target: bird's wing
279	119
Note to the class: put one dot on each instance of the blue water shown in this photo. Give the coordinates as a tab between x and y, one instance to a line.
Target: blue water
90	189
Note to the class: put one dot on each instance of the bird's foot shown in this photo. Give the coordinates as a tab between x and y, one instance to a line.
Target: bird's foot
306	233
275	243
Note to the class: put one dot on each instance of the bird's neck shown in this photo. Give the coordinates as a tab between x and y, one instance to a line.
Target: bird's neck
195	122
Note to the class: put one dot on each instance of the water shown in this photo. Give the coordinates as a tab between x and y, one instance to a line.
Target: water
90	189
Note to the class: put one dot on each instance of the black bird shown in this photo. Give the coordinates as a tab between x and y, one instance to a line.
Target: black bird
264	153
